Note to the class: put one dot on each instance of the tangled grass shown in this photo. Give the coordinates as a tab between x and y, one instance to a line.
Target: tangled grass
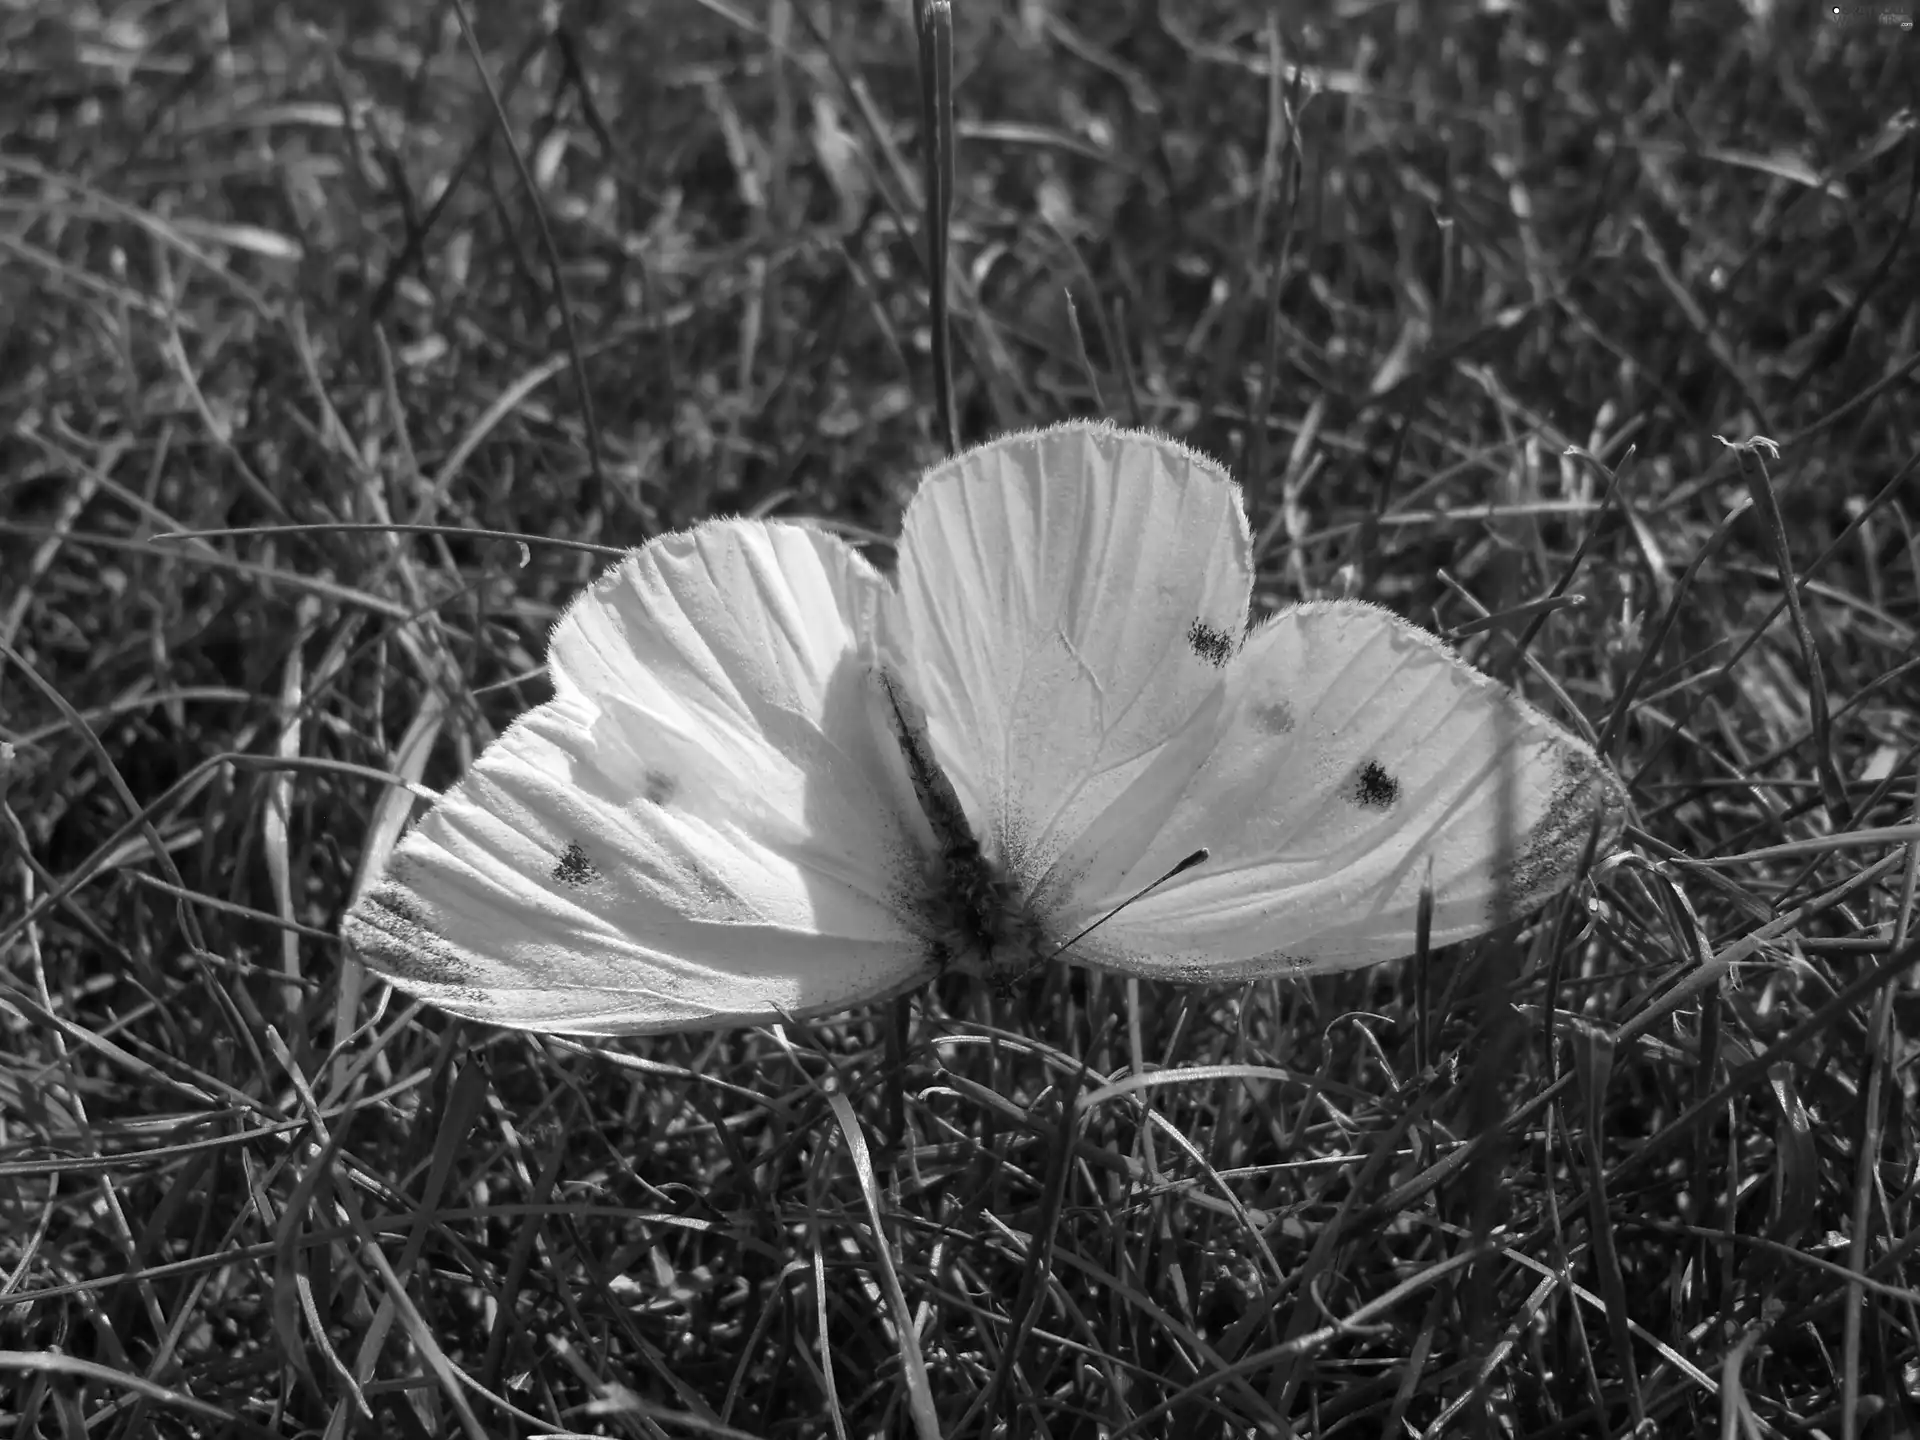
1461	293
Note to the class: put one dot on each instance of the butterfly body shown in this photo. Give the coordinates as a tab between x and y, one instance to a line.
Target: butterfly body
979	921
773	782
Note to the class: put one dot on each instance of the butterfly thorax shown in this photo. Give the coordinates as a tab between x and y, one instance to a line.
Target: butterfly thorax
981	925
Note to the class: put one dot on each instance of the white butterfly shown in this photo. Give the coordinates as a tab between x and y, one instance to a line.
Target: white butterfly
772	783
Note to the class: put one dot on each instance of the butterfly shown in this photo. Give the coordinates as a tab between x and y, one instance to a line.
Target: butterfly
772	782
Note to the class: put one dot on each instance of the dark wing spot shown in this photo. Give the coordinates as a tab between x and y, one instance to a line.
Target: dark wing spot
1274	719
575	869
1213	646
1373	788
660	787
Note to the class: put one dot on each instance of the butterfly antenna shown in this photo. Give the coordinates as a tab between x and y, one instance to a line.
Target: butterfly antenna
1198	857
1422	944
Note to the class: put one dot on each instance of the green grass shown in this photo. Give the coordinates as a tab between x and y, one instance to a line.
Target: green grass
1388	262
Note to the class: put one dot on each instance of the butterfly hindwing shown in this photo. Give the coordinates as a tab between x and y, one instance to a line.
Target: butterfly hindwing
703	826
1357	757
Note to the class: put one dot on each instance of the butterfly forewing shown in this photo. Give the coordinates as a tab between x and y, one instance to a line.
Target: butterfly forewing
1065	598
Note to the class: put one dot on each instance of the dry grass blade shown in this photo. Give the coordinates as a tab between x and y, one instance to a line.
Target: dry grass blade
563	309
920	1404
1868	1197
933	19
1592	1068
1760	487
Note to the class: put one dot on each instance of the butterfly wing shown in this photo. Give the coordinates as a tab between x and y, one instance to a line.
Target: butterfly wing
1356	759
706	826
1072	605
1065	596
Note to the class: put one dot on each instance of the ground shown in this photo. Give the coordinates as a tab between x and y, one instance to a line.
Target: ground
1483	304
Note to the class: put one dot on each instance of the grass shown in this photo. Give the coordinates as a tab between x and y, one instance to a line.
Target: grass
1459	295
